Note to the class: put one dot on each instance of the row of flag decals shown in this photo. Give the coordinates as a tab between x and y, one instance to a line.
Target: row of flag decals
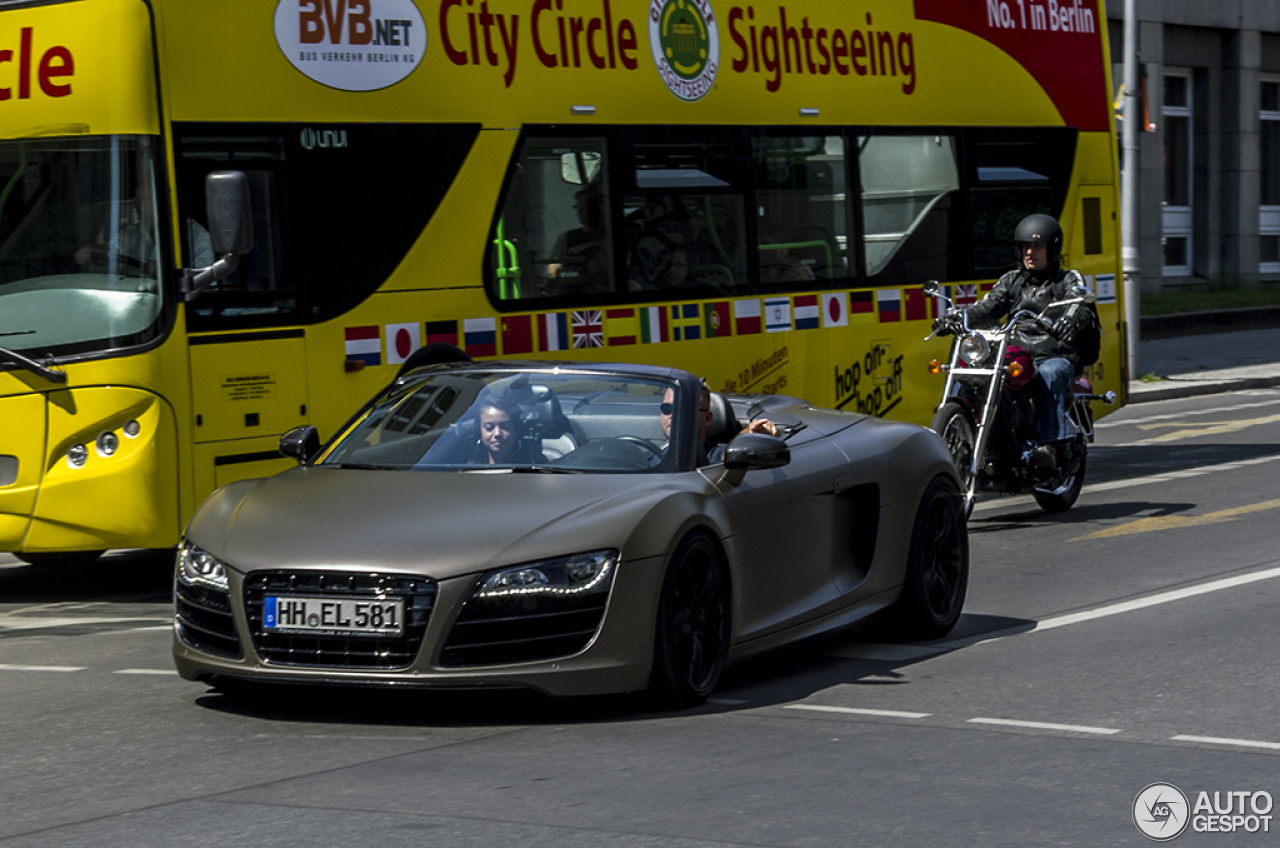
582	329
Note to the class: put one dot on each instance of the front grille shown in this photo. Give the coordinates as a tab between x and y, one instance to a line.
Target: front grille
374	652
522	629
205	621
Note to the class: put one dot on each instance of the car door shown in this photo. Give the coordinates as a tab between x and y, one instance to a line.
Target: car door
782	528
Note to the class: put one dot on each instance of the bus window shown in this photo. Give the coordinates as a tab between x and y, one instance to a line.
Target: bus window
684	217
1013	179
908	187
553	236
800	192
335	210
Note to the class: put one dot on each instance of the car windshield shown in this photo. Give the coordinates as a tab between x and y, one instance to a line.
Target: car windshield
79	244
552	421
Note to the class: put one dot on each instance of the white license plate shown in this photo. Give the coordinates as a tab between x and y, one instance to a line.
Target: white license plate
334	616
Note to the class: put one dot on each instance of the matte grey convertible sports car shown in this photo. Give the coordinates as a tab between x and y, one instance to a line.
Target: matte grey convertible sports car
559	526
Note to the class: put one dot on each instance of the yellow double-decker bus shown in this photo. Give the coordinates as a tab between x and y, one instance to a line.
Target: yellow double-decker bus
222	220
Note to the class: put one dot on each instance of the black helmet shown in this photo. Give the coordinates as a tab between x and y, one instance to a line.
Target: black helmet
1040	229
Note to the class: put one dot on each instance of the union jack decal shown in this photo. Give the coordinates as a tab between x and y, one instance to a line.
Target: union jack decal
588	328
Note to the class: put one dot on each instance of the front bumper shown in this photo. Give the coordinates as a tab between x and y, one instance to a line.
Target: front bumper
617	658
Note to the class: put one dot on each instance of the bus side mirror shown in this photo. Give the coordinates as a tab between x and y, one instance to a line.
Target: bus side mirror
230	216
226	197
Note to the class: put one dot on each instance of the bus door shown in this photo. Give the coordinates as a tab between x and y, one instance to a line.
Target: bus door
248	378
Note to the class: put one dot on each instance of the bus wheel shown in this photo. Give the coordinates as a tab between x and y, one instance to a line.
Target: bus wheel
63	559
432	354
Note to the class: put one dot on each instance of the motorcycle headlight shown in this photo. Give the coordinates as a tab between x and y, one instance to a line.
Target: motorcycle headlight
974	349
577	574
198	567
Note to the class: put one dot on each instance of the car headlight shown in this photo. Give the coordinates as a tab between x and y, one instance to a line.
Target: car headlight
198	567
574	575
974	349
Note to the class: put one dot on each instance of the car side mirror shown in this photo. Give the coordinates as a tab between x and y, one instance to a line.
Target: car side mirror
753	452
300	443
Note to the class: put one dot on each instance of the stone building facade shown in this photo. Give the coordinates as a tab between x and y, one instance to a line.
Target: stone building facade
1209	164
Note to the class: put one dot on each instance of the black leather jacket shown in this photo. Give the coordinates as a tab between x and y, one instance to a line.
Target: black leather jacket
1031	290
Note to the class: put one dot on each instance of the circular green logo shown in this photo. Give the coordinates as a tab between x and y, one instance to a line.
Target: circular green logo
685	44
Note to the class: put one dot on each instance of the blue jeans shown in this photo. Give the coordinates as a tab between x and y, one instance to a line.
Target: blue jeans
1054	377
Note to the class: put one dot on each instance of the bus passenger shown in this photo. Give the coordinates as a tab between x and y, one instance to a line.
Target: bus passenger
580	257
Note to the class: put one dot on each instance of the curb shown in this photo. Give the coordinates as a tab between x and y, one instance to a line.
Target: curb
1209	321
1172	389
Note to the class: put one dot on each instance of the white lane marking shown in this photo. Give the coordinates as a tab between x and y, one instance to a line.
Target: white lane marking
15	623
59	668
1218	740
164	671
1164	477
1109	421
856	711
1044	725
906	653
1155	600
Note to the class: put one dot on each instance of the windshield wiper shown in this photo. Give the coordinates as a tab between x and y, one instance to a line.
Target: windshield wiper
53	375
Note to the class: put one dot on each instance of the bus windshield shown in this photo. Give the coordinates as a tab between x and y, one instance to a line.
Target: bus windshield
79	245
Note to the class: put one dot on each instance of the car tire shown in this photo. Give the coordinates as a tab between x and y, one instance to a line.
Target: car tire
1064	496
953	424
61	559
937	575
692	635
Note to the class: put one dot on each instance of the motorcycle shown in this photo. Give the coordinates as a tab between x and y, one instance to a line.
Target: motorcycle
987	416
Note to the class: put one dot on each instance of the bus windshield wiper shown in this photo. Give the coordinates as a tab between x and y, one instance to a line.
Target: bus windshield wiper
53	375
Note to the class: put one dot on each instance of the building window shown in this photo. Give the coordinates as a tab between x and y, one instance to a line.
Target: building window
1269	210
1176	112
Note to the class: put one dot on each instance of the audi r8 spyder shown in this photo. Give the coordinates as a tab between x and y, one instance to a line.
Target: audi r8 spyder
573	528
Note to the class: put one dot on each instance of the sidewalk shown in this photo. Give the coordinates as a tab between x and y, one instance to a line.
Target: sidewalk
1207	363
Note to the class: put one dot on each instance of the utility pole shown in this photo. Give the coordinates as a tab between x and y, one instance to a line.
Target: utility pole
1129	190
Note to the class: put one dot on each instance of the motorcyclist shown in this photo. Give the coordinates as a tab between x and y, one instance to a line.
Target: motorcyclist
1038	281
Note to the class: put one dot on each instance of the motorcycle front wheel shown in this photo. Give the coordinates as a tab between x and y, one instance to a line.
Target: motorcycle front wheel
1063	497
953	424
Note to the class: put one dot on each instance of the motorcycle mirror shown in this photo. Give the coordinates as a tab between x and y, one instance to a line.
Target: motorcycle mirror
1084	294
932	288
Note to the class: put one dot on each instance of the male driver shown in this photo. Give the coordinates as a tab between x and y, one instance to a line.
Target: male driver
1038	281
708	452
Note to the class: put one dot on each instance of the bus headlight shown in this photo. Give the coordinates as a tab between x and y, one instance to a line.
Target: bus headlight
198	567
107	443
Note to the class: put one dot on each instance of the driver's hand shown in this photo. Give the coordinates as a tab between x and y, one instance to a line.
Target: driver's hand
948	324
761	425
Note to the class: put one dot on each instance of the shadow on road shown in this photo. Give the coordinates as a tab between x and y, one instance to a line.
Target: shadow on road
1086	514
779	677
117	577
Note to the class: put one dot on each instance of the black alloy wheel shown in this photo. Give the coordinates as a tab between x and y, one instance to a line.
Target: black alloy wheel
692	638
937	575
953	424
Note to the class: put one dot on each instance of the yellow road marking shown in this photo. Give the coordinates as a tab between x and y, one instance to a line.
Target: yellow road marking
1211	429
1173	522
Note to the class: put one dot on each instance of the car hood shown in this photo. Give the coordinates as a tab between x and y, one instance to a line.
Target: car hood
439	524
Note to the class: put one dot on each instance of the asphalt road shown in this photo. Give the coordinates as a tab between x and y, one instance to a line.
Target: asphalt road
1128	642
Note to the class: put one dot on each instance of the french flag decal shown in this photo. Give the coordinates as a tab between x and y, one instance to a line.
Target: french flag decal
364	344
553	331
